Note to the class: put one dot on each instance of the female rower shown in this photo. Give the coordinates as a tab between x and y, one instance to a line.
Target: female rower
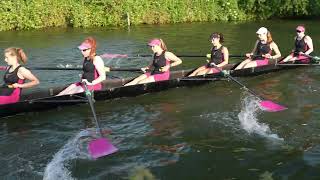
162	61
262	50
94	71
15	76
219	56
303	46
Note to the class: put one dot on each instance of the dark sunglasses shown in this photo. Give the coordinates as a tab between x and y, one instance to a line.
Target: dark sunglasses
84	50
298	31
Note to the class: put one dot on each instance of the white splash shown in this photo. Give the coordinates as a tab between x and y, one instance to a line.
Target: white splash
58	167
248	119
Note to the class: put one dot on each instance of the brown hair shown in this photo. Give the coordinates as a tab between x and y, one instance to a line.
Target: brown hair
18	52
93	43
269	37
163	45
217	34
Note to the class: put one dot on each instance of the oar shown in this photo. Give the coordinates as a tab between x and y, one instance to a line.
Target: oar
317	58
266	104
311	64
101	146
183	55
77	68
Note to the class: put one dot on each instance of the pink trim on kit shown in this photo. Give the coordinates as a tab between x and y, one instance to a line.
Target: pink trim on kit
262	62
160	77
13	97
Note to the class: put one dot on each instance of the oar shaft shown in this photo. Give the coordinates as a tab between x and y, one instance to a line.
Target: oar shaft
78	69
89	97
185	55
236	81
125	69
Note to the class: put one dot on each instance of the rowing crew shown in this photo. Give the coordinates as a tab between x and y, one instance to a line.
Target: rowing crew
94	69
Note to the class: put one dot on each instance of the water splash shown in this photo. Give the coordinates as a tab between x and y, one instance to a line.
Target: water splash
74	149
249	121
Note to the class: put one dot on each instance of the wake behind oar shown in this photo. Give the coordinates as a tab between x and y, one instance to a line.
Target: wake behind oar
101	146
266	105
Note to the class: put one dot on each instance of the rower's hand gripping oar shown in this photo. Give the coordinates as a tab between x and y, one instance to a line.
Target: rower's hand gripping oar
100	146
265	104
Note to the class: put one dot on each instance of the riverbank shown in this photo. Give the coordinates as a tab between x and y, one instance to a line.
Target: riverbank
37	14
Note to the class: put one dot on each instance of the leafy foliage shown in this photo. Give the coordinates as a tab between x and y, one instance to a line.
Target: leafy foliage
34	14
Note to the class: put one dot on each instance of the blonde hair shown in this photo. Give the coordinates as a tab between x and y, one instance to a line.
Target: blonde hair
18	52
269	37
163	45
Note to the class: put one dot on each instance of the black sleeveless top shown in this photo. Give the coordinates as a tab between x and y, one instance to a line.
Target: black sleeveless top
88	70
300	45
262	49
9	79
158	62
216	56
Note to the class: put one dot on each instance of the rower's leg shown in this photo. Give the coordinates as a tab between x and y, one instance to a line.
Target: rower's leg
147	80
250	64
204	71
243	64
288	58
72	89
136	80
196	72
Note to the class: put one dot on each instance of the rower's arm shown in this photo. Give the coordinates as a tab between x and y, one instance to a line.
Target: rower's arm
276	50
24	73
225	57
99	65
171	57
310	45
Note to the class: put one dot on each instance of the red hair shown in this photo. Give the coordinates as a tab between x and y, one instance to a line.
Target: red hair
18	52
93	43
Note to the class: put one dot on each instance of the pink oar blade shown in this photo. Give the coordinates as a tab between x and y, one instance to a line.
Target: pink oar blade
271	106
101	147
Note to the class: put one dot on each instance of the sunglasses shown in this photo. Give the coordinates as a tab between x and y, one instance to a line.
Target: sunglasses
84	50
298	31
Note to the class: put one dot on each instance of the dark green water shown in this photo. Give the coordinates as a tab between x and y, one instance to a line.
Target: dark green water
213	131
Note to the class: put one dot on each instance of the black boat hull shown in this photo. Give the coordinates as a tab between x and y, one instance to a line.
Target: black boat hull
113	88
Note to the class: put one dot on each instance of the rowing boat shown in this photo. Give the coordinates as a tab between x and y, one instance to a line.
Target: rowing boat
113	88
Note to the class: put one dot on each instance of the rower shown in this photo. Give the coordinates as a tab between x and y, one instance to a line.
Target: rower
162	61
303	46
93	69
219	56
15	76
262	50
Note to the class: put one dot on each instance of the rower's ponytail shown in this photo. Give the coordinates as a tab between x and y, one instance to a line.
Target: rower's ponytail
269	37
163	45
22	55
18	52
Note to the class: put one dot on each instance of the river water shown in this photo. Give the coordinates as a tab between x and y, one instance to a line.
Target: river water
214	131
